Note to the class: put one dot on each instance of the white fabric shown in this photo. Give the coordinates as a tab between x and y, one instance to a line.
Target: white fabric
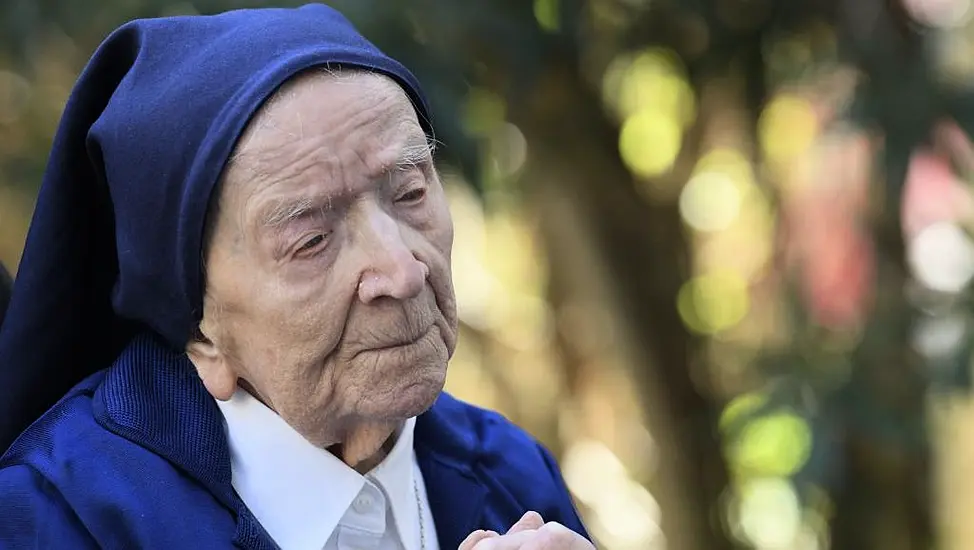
307	499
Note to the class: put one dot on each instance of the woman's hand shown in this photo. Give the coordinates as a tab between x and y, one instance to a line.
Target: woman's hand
529	533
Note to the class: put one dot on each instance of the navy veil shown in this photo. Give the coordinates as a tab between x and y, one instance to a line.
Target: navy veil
114	246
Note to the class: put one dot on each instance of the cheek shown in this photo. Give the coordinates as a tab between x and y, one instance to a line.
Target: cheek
448	244
441	228
288	327
300	315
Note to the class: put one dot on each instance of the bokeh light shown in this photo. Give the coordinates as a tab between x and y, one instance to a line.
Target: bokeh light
942	257
940	13
509	149
713	302
787	128
546	12
626	515
769	513
650	142
740	408
649	93
710	201
651	78
772	444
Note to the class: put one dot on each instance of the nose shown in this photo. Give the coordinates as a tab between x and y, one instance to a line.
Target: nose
392	270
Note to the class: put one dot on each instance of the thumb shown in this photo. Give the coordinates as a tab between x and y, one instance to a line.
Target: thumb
473	538
528	522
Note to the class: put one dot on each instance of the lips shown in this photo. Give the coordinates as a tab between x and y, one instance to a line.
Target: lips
400	343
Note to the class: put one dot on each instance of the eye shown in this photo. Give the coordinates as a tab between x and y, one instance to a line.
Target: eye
412	196
311	244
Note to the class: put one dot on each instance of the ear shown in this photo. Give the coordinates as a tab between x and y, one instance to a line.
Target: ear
212	365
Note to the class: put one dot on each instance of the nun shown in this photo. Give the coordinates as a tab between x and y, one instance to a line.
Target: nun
233	316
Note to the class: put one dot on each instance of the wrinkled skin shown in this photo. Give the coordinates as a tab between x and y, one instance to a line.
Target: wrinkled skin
328	286
531	532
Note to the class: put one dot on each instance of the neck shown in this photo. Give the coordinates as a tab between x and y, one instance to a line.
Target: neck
364	447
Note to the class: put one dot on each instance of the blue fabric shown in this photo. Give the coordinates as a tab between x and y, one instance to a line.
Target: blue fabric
135	457
114	245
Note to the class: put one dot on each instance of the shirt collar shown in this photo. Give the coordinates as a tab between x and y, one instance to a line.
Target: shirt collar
299	492
396	474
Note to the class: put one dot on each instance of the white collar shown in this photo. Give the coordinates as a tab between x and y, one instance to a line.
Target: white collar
299	492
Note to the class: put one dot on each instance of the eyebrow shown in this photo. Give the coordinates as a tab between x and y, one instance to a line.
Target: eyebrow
415	152
288	210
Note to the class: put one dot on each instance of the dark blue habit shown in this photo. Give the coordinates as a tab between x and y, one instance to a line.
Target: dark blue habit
110	288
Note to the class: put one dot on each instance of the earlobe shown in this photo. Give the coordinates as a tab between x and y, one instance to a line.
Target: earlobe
212	367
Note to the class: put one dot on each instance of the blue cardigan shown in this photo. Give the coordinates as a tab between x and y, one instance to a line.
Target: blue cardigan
136	457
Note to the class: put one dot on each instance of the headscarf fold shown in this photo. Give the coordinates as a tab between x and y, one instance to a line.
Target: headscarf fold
114	246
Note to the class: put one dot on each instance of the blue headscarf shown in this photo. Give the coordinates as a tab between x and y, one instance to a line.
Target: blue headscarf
114	247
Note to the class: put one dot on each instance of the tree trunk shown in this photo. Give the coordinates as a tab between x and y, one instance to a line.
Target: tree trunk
883	500
573	155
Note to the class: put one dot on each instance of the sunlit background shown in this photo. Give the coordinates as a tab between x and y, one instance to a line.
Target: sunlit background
715	254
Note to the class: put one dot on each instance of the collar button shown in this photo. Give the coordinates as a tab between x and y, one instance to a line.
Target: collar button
363	504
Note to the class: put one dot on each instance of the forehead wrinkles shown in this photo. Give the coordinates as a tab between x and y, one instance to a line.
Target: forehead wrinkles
281	139
350	102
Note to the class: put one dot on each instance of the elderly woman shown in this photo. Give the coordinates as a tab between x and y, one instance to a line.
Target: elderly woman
239	273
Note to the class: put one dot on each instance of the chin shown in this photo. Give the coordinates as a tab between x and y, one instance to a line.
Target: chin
417	397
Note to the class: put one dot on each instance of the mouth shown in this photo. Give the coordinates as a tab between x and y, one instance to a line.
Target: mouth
402	343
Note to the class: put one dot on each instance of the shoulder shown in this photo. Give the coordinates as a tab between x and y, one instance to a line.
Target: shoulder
68	472
57	435
508	459
70	449
34	513
460	428
492	440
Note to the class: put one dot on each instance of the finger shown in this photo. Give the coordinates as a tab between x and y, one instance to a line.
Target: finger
529	521
473	538
556	536
515	541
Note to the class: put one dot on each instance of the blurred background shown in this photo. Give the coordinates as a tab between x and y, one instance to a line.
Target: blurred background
715	254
